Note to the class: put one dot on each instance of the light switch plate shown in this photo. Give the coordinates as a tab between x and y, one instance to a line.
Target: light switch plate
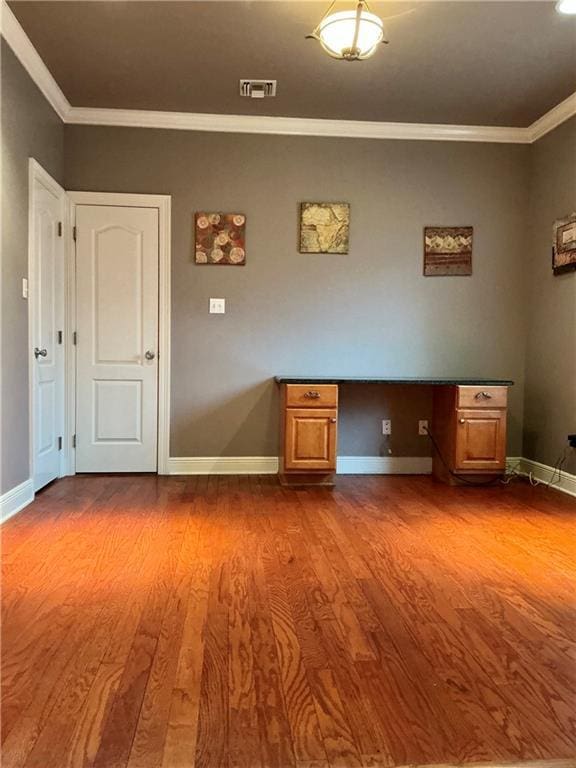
217	306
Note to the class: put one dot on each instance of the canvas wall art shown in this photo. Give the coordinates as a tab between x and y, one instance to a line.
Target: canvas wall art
220	238
324	227
447	251
564	245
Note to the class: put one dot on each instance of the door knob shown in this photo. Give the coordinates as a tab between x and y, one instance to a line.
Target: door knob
40	352
149	355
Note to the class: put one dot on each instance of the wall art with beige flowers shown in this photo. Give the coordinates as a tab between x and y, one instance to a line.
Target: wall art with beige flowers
220	238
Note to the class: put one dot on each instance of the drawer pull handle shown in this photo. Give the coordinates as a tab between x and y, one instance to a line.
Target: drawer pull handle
483	396
312	394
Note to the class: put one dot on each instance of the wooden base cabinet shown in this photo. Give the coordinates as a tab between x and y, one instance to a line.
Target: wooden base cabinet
309	434
469	430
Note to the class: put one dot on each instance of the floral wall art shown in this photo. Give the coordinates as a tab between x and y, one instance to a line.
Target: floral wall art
220	239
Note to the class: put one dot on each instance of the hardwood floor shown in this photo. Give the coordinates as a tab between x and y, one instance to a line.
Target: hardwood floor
224	621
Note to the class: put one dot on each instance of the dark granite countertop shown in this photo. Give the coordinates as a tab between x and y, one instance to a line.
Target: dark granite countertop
433	381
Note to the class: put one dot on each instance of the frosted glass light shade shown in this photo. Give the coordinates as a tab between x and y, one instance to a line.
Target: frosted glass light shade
566	6
336	34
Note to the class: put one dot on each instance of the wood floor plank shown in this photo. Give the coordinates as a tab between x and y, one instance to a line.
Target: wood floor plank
124	714
182	726
276	746
149	739
243	716
223	622
300	708
212	736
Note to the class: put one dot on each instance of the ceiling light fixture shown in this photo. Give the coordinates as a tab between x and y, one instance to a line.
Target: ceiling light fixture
567	7
350	35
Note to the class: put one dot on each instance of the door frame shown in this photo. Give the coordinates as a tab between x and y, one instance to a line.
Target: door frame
37	174
163	205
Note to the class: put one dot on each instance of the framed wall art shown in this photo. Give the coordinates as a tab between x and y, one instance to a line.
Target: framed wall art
220	239
324	227
447	251
564	245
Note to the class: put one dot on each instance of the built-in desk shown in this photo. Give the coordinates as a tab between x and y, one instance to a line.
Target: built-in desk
468	429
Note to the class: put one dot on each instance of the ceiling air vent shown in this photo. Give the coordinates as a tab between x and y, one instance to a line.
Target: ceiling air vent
257	89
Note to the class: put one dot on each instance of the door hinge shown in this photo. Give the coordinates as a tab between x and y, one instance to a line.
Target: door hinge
59	337
74	232
73	441
59	443
74	338
59	229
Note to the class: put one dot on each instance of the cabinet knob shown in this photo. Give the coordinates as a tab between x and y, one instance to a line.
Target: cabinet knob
332	421
462	421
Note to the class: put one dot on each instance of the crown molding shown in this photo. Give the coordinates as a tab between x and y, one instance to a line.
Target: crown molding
20	43
552	119
30	59
293	126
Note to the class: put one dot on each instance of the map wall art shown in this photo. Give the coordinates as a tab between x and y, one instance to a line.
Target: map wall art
324	227
447	251
220	238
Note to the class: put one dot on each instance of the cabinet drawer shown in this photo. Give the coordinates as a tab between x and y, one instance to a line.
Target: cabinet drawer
311	395
482	397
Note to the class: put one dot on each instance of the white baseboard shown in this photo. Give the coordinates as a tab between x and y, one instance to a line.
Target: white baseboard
268	465
16	499
543	473
384	465
223	465
513	464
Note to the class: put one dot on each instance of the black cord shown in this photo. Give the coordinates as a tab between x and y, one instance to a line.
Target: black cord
560	461
493	481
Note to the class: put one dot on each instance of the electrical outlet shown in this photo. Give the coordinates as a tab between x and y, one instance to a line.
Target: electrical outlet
386	427
423	427
217	306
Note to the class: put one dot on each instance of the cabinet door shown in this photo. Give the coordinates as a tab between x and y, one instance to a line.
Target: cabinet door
480	439
310	439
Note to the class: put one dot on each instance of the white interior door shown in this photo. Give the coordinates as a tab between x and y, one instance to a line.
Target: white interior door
47	290
117	338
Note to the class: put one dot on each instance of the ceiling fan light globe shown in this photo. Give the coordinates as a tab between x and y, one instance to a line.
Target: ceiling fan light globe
567	7
336	34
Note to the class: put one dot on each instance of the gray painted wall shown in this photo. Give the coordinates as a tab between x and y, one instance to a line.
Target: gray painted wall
370	312
550	412
30	128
